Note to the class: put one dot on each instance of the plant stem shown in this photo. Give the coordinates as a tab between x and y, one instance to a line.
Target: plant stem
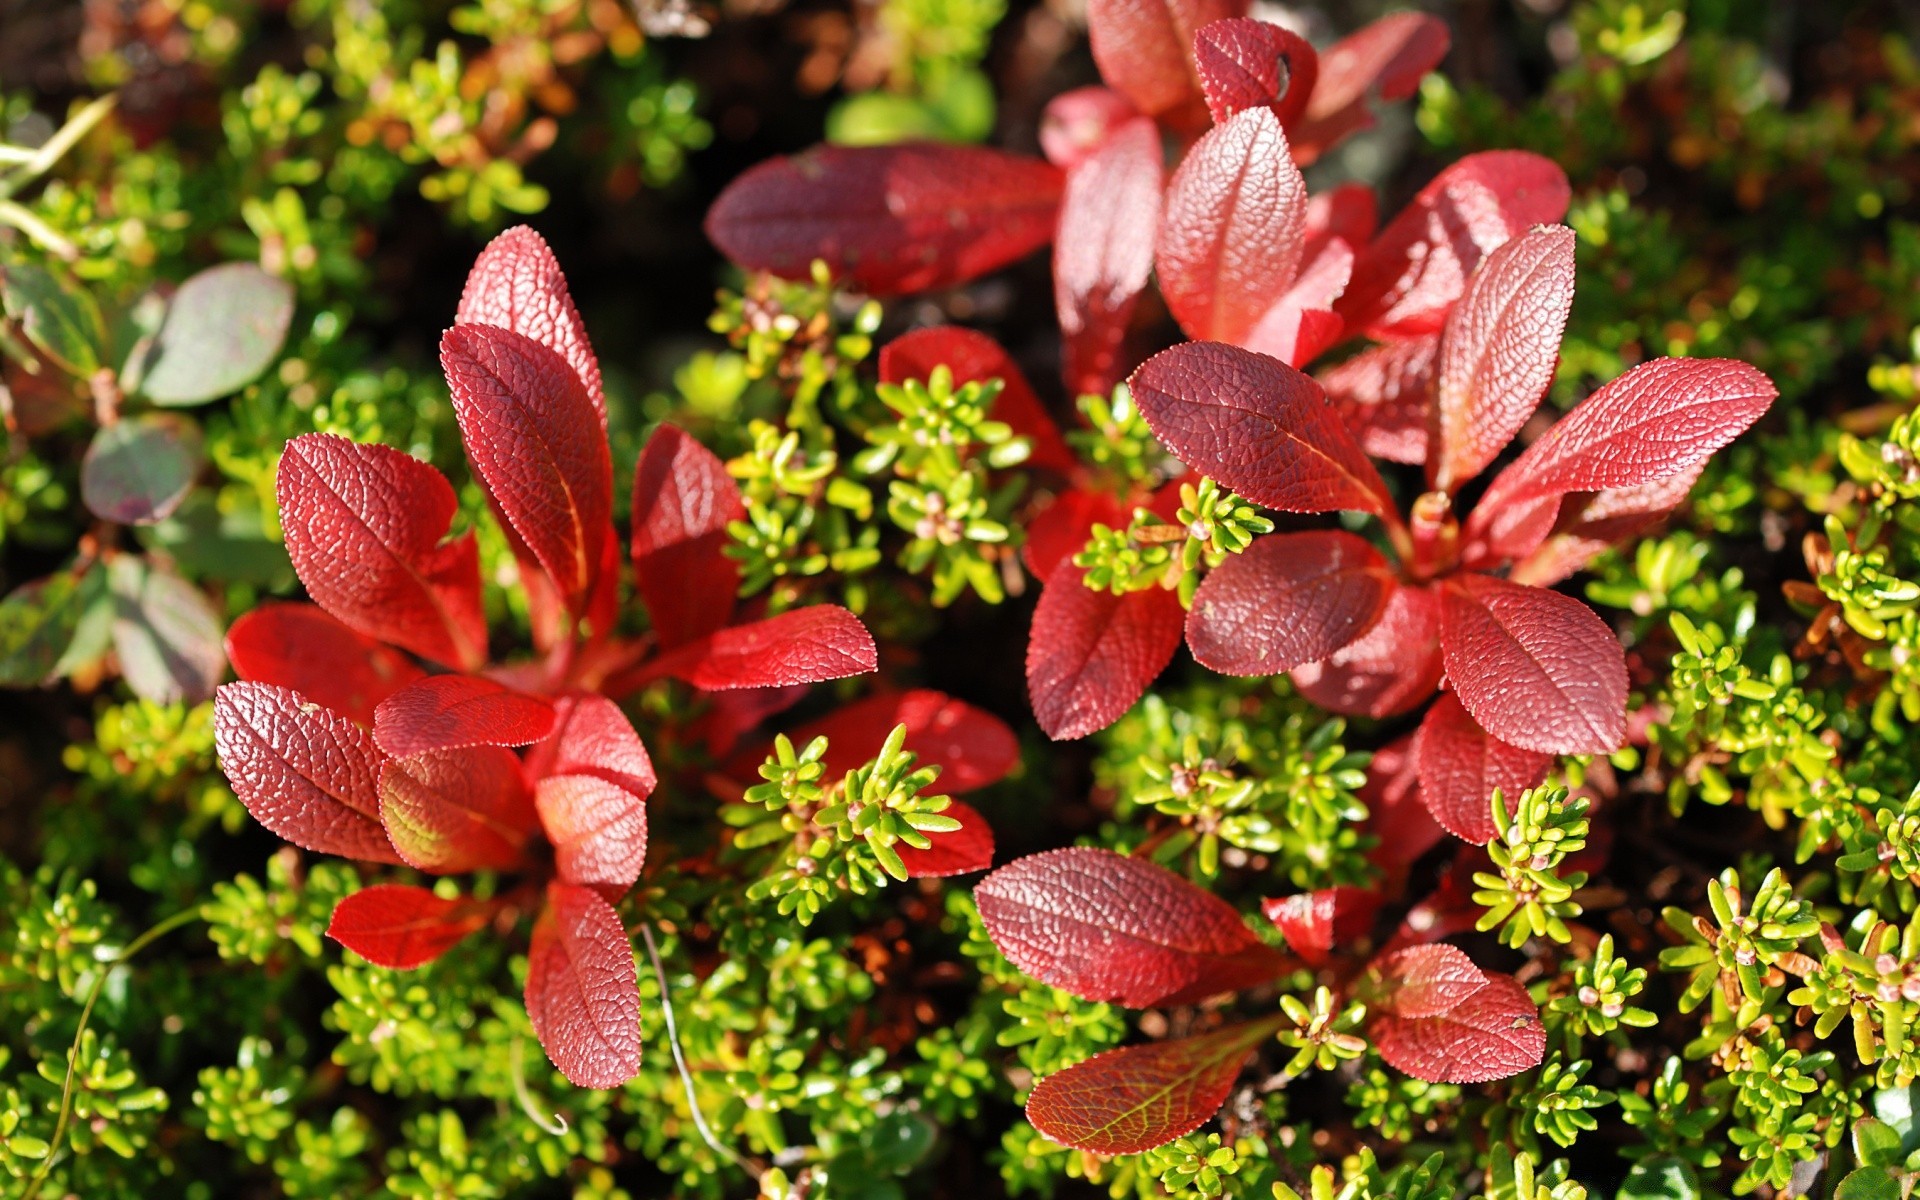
680	1063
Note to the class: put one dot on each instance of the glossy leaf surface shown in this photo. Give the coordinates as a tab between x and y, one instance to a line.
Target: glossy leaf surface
442	711
598	831
517	284
299	646
1495	1033
806	645
401	927
1246	64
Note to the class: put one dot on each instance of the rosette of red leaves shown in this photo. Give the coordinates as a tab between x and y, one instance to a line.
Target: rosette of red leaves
370	724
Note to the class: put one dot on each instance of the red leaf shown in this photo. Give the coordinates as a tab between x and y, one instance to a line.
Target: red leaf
1251	64
1077	123
598	831
517	284
443	711
1107	927
972	747
1061	530
1589	522
1535	668
1494	1034
1347	212
1234	228
534	438
1390	670
1499	351
1421	981
1103	252
957	852
1302	325
583	994
973	356
458	810
1091	654
807	645
1259	427
1385	393
391	925
1138	1097
683	499
299	646
888	219
1461	765
1314	922
1289	599
308	774
592	736
1405	283
1144	49
364	525
1387	58
1395	814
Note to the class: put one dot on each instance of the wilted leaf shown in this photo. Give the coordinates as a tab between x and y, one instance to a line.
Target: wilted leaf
972	356
442	711
582	991
1091	654
1391	669
517	284
224	327
165	633
138	470
1245	64
598	831
1461	765
683	499
400	927
459	810
1494	1033
1288	599
299	646
1103	253
806	645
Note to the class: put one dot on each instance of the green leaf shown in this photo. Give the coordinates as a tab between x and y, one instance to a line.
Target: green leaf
58	316
137	471
1660	1178
1868	1183
225	326
1876	1144
37	623
166	633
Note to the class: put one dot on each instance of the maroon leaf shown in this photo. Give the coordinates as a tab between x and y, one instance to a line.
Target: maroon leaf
1589	522
392	925
957	852
1421	981
807	645
299	646
1251	64
1535	668
1259	427
1091	654
598	831
683	499
364	525
1144	49
591	736
1387	58
1390	670
889	219
1235	225
309	775
443	711
1499	351
517	284
535	439
1107	927
1395	814
1289	599
1495	1033
1461	765
972	356
1077	123
1315	922
583	994
1385	393
1103	252
972	747
1060	530
458	810
1138	1097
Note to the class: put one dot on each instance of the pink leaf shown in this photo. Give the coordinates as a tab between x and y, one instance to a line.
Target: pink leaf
1387	58
364	526
972	356
598	831
1144	49
306	773
458	810
1288	599
517	284
583	993
534	438
1259	427
683	499
1104	252
1385	393
1421	981
1077	123
392	925
1107	927
1390	670
1252	64
1348	212
807	645
972	747
299	646
1315	922
1495	1033
1499	351
957	852
1302	325
1461	765
1091	654
443	711
1138	1097
1535	668
888	219
1589	522
591	736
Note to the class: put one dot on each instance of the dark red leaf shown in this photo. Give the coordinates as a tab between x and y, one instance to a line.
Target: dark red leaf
1138	1097
306	773
1144	49
1535	668
592	736
299	646
683	499
598	831
1245	64
534	438
1498	354
391	925
1103	253
1107	927
1461	765
443	711
1395	813
1387	59
972	747
517	284
1421	981
1091	654
1589	522
1385	393
458	810
1077	123
957	852
1390	670
583	993
1315	922
1494	1034
1289	599
807	645
364	525
972	356
1257	426
1061	530
888	219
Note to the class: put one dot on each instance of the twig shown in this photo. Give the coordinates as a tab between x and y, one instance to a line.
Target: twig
556	1124
680	1063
